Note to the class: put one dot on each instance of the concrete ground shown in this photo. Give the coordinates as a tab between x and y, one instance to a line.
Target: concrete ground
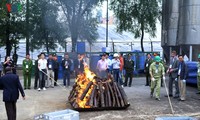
142	106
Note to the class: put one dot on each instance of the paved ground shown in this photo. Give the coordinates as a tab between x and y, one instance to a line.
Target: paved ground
142	106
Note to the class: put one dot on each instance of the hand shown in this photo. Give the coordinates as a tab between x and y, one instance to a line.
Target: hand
184	81
163	77
168	71
40	69
144	71
152	79
171	70
23	98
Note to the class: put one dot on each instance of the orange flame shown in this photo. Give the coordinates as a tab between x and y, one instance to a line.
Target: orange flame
82	81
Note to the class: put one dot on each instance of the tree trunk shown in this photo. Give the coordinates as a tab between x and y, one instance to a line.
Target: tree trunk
27	27
142	37
74	42
8	44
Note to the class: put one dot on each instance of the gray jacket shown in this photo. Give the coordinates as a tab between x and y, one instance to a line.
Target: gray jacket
174	66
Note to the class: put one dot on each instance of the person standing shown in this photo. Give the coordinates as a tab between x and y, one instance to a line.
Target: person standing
109	62
36	73
56	69
1	68
173	71
42	66
156	72
129	67
78	65
66	65
11	86
198	75
121	59
86	60
50	71
182	75
9	63
116	67
27	70
102	66
147	64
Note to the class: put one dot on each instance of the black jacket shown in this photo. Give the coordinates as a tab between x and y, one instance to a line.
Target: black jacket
78	65
184	70
52	62
68	62
11	86
129	66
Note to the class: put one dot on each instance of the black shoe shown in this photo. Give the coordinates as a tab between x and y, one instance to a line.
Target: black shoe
169	95
146	85
176	97
158	99
198	93
129	85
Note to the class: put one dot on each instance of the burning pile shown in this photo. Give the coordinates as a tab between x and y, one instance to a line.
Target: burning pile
92	92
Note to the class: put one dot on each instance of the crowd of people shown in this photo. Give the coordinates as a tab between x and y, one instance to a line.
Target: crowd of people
120	67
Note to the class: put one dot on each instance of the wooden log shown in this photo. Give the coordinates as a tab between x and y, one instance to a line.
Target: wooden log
101	95
91	101
124	96
108	96
116	95
112	95
119	95
86	90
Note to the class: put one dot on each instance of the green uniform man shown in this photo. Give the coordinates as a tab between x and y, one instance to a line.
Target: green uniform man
27	68
156	71
198	74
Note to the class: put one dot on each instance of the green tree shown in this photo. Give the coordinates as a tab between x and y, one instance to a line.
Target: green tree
80	22
136	16
45	28
12	26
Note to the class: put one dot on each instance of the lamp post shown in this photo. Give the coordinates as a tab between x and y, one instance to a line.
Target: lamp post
107	25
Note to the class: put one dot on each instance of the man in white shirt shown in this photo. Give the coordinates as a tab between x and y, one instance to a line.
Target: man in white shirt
116	66
109	62
42	66
102	67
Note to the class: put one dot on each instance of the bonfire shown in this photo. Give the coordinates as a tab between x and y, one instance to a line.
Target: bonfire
90	91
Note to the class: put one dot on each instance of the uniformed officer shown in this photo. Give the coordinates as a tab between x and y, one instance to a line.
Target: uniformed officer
27	69
198	74
156	72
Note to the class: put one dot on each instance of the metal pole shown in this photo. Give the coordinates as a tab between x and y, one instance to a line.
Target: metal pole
190	52
180	50
107	25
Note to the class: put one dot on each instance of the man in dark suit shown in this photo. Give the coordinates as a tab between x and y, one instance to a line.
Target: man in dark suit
11	86
173	71
129	67
147	64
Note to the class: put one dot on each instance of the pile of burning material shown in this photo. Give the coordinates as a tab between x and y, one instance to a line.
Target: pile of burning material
93	93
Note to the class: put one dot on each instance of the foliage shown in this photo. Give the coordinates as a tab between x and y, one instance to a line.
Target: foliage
79	19
136	16
12	26
46	29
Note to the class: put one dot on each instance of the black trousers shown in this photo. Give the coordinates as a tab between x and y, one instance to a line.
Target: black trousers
11	110
130	76
36	79
55	76
0	73
148	81
43	77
